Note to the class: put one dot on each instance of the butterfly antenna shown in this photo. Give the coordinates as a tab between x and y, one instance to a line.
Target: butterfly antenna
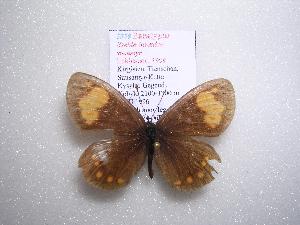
159	102
140	100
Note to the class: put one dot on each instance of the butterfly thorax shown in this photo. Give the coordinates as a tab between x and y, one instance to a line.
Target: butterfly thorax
151	131
152	144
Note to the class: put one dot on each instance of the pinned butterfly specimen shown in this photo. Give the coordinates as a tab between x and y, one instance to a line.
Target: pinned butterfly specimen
206	110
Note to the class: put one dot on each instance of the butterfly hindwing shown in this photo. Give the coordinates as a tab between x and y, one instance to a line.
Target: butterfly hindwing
206	110
94	104
110	164
184	162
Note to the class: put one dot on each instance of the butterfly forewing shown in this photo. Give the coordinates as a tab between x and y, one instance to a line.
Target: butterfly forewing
94	103
206	110
110	164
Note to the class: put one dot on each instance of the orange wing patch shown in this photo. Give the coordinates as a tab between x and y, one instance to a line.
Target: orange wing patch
91	103
212	108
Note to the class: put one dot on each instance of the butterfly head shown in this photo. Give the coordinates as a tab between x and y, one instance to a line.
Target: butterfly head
148	119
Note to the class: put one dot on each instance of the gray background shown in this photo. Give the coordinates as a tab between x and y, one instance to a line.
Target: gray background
255	44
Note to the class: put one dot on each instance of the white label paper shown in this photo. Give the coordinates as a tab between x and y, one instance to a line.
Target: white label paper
161	63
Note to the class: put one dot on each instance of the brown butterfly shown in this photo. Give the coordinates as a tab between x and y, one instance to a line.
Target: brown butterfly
204	111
